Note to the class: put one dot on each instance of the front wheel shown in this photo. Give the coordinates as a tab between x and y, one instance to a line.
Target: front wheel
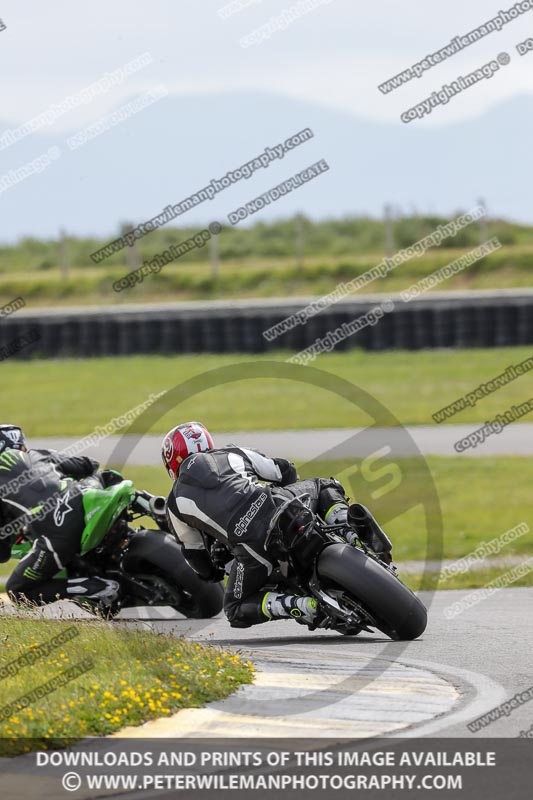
395	609
157	559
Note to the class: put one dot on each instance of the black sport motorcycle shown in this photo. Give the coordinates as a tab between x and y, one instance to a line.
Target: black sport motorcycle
148	564
355	587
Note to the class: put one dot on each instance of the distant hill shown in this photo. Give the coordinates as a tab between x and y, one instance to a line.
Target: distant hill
175	146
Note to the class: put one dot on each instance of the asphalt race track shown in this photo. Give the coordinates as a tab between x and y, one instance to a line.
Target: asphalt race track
515	440
328	685
458	670
324	684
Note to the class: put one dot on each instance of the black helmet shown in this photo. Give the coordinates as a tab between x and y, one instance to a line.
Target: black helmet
11	436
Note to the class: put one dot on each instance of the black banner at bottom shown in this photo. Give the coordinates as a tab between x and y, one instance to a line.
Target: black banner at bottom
314	769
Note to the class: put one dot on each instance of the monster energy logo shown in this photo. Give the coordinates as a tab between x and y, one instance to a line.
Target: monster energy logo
10	459
32	574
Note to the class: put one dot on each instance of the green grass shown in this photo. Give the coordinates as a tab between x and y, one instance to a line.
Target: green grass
72	397
356	238
475	579
153	676
259	261
278	276
480	499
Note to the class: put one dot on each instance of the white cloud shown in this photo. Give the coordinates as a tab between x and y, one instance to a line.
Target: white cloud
333	56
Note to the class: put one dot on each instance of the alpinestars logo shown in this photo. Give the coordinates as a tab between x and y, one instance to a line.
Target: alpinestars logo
242	525
239	577
63	508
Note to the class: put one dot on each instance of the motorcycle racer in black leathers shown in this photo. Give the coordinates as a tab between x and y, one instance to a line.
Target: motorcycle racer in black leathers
230	494
38	492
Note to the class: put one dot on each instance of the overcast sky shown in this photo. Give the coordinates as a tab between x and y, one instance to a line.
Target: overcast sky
322	69
334	55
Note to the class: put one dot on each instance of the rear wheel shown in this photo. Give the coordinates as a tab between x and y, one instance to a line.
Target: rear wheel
393	608
156	559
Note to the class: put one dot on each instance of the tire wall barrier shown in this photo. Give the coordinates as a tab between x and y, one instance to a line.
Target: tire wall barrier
479	322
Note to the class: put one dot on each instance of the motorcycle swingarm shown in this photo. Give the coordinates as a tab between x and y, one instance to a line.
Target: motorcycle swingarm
141	591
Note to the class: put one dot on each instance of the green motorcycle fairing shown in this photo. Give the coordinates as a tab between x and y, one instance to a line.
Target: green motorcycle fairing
101	507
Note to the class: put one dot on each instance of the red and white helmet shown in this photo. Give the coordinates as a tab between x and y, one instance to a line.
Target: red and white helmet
183	441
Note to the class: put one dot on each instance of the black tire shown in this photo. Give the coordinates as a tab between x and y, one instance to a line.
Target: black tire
157	554
396	610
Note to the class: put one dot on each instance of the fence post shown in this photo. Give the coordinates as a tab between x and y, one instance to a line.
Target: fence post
132	253
299	224
388	220
483	223
214	257
63	255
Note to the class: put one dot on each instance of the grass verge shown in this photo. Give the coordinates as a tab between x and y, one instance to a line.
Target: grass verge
76	396
153	676
480	499
38	279
475	579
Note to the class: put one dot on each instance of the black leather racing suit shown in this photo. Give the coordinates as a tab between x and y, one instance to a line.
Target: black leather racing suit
218	496
38	487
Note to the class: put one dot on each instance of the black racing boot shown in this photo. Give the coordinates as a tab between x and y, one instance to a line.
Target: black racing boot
100	593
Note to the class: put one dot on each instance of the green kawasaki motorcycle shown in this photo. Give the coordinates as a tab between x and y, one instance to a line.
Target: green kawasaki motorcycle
148	564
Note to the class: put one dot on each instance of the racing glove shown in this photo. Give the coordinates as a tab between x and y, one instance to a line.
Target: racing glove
288	471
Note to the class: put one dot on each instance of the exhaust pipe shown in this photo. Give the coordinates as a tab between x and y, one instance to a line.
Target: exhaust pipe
366	526
158	505
152	504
